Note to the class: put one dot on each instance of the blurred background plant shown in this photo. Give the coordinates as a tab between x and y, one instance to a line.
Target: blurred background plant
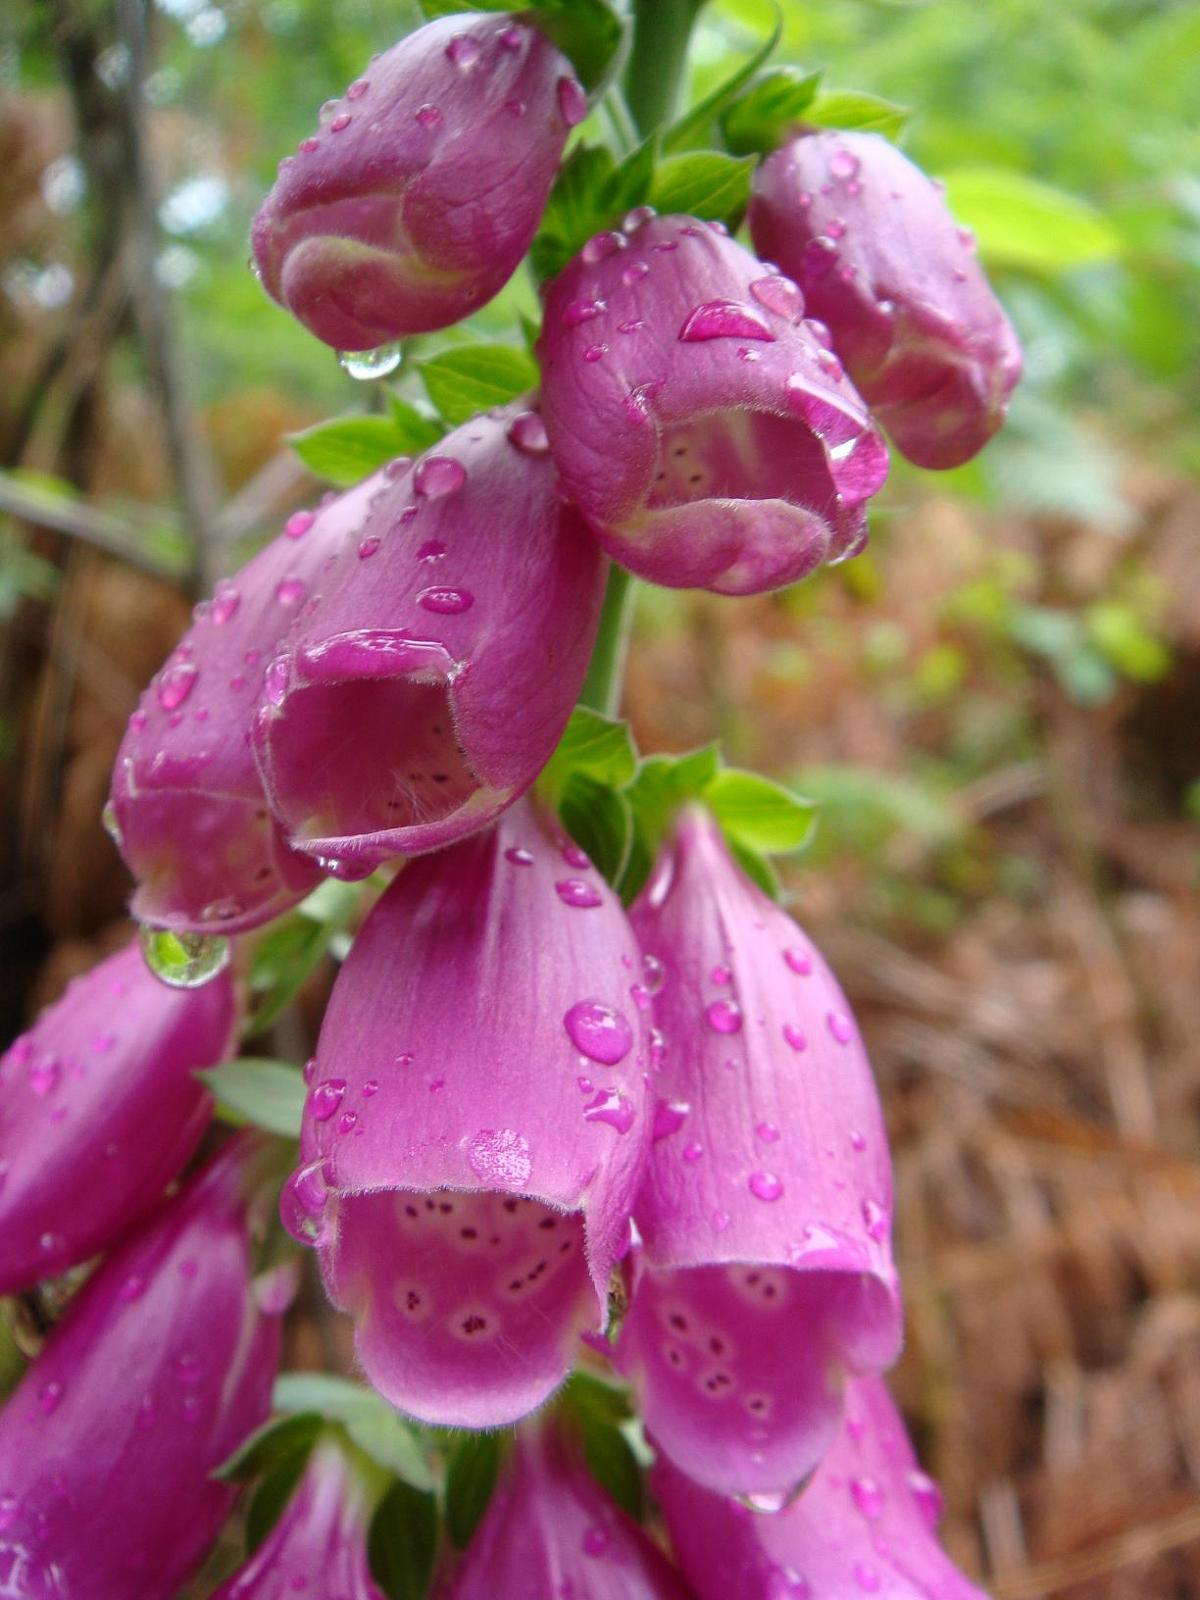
997	706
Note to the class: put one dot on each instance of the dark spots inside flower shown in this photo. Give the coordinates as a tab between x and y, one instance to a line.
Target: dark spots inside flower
718	1382
474	1325
469	1233
548	1223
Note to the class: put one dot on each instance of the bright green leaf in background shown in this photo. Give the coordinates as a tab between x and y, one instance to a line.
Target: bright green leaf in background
1021	222
759	815
269	1094
470	378
867	113
703	183
347	449
470	1480
769	110
366	1417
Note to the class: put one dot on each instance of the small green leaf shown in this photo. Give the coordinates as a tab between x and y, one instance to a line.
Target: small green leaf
414	429
760	120
272	1494
366	1417
629	184
614	1466
269	1094
599	820
756	867
587	1395
868	113
693	126
599	747
574	210
469	378
293	947
760	815
703	183
470	1480
347	449
1021	222
278	1440
588	32
663	783
402	1542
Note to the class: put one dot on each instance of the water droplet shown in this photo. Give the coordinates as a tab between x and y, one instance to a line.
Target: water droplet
572	102
367	364
779	294
835	228
595	352
767	1132
794	1037
723	319
652	974
611	1107
439	475
669	1117
368	547
528	433
138	720
857	1141
818	256
840	1026
225	605
595	1540
875	1219
429	116
500	1157
298	524
463	50
658	1048
844	164
341	122
49	1396
830	363
799	961
599	1031
45	1075
510	38
357	89
326	1098
347	1121
183	960
927	1495
635	271
290	591
602	245
721	975
638	218
112	827
133	1288
175	684
692	1152
866	1577
444	601
868	1497
719	1220
303	1203
580	311
765	1186
275	681
519	857
309	145
578	892
724	1016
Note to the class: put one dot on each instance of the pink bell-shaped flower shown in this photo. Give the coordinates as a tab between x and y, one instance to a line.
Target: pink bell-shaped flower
705	430
865	1527
157	1372
191	818
882	263
100	1108
765	1273
476	1125
431	685
416	199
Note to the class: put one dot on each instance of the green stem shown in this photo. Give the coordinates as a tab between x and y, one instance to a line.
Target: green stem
654	74
602	687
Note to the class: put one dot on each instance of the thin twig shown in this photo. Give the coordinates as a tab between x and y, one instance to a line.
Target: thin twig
97	528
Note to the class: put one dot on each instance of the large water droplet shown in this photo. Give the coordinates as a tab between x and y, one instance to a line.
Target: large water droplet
341	122
819	256
183	960
572	102
724	1016
799	961
840	1026
298	524
175	684
602	245
377	363
303	1203
765	1186
611	1107
326	1098
444	601
669	1117
428	116
844	164
464	50
578	892
518	856
290	591
528	433
439	475
723	319
779	294
599	1031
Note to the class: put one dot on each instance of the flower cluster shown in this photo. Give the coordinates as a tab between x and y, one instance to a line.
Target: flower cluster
543	1127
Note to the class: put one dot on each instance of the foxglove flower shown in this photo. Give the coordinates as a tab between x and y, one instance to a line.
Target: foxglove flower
708	435
417	198
100	1108
765	1275
188	806
431	685
866	1524
158	1370
549	1530
879	257
319	1544
476	1125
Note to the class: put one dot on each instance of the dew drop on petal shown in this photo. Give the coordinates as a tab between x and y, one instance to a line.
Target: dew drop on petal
819	256
794	1037
183	960
844	164
779	294
578	892
767	1132
866	1577
367	364
602	245
428	116
927	1495
669	1117
595	1540
724	1016
444	601
225	605
326	1098
599	1031
868	1497
799	961
765	1186
528	433
572	102
840	1026
723	319
49	1396
175	684
368	547
357	89
580	311
341	122
518	856
439	475
463	50
613	1108
875	1219
635	271
290	591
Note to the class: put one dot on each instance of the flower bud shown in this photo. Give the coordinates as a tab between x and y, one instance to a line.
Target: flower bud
549	1530
865	1525
417	198
190	814
319	1544
870	241
765	1275
476	1125
100	1109
159	1369
431	685
706	432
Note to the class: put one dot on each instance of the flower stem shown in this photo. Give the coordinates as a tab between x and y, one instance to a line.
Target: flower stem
654	74
602	687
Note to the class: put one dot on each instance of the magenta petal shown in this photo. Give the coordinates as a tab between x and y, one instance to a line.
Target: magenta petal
319	1545
880	260
432	684
194	824
766	1274
865	1525
158	1370
706	432
416	200
472	1140
549	1530
114	1057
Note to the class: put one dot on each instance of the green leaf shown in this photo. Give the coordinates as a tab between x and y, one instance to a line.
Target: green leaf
293	947
599	747
1021	222
269	1094
758	814
848	108
586	1395
272	1494
756	867
612	1463
416	431
693	126
600	821
470	1480
402	1543
760	120
663	783
366	1417
276	1441
347	449
588	32
703	183
629	184
469	378
454	8
575	209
